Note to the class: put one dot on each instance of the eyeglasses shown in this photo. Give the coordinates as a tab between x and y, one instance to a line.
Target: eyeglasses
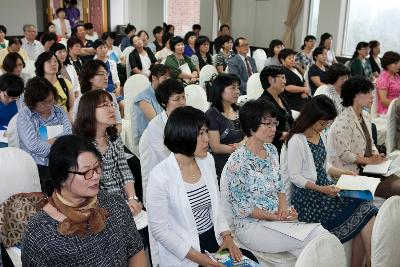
47	103
87	175
179	98
271	124
107	104
102	74
325	124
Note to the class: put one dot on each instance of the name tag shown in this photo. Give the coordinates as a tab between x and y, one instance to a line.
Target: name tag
48	132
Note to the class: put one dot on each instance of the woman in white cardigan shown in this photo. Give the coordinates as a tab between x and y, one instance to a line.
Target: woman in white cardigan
315	196
185	215
62	25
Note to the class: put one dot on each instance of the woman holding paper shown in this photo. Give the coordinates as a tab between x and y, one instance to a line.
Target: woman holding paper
181	66
350	143
315	196
256	189
40	122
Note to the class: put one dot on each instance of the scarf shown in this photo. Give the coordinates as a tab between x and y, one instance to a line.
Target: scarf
86	218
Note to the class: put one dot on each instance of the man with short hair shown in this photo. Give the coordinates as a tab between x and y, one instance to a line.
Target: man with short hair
33	47
242	65
196	28
87	51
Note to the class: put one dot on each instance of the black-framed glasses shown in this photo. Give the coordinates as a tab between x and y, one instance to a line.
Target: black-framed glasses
107	104
87	175
271	124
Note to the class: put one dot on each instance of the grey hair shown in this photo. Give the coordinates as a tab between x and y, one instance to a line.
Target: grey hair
27	26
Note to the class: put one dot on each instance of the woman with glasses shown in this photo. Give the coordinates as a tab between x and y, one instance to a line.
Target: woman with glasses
202	56
359	64
350	142
80	226
256	190
96	120
224	131
273	81
40	122
315	196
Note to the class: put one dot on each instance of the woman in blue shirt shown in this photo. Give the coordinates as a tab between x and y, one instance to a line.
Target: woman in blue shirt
11	88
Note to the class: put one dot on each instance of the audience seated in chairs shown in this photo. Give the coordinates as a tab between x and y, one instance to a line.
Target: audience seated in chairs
334	79
296	92
161	55
374	51
315	196
202	56
48	39
256	186
114	53
29	43
35	119
14	63
95	120
78	216
130	31
91	35
359	64
11	98
158	43
144	36
181	66
87	51
145	106
74	46
190	41
224	131
388	83
350	143
183	228
273	81
317	71
304	58
14	46
225	53
224	29
275	46
142	58
242	65
48	66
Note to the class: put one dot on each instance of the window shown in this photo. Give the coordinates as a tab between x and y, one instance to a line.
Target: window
182	14
313	18
372	20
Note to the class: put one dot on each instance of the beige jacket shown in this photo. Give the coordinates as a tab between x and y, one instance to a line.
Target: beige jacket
346	140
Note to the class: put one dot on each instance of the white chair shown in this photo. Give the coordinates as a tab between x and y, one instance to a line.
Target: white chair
226	69
385	241
19	173
133	86
325	250
196	97
283	259
29	69
126	53
145	157
206	73
241	100
214	58
254	87
306	81
295	114
391	127
12	133
260	57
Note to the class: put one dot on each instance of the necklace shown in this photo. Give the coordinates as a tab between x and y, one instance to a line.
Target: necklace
191	167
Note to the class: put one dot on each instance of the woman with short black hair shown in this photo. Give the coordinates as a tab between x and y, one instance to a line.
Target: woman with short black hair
317	71
224	131
202	56
190	40
34	121
304	58
374	51
77	216
225	54
359	64
11	89
185	215
275	46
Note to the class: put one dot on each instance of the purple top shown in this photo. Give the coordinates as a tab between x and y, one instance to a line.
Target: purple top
73	15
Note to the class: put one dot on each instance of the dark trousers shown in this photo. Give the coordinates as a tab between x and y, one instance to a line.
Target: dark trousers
208	242
134	166
44	176
4	258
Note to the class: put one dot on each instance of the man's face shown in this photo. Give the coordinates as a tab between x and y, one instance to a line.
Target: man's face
30	33
225	31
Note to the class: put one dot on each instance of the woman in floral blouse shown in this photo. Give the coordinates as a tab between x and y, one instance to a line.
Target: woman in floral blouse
255	185
226	53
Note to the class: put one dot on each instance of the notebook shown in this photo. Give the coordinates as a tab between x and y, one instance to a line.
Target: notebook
295	229
225	258
358	186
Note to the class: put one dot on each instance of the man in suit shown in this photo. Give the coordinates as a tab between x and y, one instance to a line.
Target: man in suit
242	65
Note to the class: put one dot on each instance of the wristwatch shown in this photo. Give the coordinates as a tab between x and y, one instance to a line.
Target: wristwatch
133	197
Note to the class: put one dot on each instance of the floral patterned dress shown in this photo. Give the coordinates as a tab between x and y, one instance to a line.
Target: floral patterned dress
343	217
253	182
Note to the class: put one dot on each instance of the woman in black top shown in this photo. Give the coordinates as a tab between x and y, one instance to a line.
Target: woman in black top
141	58
374	59
273	81
225	132
296	92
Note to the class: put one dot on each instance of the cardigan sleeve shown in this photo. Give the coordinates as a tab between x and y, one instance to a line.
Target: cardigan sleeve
296	156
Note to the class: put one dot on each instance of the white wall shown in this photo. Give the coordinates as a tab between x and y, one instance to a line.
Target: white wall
116	13
262	21
14	14
206	17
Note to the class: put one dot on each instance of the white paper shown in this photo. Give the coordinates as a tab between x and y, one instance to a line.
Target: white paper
141	220
54	131
3	136
381	168
128	155
394	167
185	68
349	182
297	230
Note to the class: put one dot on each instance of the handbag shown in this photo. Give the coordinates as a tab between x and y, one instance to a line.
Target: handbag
15	214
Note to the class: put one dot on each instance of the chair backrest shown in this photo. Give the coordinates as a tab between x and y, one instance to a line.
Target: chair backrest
391	126
126	53
225	203
12	133
324	250
196	97
206	74
133	86
226	69
214	58
260	57
145	158
385	241
254	87
19	173
29	69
